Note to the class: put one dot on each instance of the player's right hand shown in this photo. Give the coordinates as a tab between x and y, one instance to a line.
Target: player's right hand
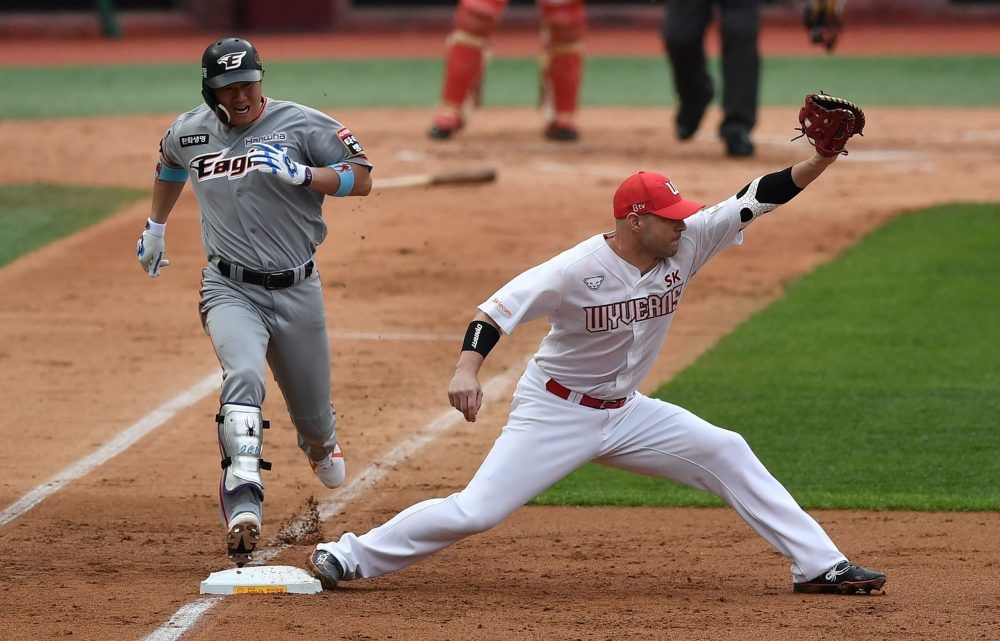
149	250
465	394
274	160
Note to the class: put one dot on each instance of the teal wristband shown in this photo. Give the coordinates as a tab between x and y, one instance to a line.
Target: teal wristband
346	173
171	174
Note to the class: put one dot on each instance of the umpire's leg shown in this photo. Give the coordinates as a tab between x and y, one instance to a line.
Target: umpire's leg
740	65
683	36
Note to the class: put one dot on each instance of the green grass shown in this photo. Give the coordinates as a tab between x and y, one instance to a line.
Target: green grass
36	214
874	383
45	92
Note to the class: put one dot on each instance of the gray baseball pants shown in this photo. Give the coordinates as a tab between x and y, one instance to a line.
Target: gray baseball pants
286	329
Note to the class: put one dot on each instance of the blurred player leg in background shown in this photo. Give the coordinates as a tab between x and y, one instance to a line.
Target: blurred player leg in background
683	35
465	62
563	25
740	74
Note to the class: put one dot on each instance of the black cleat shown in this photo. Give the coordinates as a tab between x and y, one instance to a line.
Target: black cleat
446	124
562	132
242	537
325	567
738	144
843	578
440	133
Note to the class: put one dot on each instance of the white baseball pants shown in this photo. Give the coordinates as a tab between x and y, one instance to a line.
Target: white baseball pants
547	437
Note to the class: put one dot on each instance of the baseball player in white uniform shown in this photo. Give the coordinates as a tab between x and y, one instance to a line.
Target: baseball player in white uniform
260	169
610	301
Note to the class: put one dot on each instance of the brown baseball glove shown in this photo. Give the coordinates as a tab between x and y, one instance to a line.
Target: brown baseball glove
828	122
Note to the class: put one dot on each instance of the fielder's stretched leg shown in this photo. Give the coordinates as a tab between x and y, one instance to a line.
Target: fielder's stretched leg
659	439
545	439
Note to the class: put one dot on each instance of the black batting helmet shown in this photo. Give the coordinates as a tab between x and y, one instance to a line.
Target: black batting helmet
224	62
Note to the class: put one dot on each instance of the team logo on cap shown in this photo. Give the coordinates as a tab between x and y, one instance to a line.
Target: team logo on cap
673	190
232	60
594	282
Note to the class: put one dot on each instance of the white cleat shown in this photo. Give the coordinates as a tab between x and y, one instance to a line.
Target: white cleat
331	470
242	538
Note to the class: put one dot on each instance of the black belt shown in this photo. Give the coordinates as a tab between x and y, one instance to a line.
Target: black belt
268	280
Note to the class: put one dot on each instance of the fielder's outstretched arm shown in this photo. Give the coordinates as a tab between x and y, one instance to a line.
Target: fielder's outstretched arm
809	170
766	193
464	392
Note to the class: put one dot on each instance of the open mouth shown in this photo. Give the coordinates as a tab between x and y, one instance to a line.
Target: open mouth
242	111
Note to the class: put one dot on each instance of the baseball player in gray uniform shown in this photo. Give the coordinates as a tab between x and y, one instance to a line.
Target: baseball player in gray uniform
610	301
260	169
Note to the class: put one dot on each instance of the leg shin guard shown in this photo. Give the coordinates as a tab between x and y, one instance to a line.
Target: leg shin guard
463	71
563	68
562	63
475	21
241	443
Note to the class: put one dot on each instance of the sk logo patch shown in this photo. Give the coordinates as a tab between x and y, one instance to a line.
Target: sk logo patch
594	282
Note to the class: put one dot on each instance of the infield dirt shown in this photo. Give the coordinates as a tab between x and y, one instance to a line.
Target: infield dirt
88	345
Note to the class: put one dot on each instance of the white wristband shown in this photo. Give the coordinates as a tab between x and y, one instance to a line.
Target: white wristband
156	229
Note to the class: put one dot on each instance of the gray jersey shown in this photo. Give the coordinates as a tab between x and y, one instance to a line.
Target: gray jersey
247	217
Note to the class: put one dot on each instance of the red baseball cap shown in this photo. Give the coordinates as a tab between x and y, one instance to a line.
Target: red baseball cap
648	192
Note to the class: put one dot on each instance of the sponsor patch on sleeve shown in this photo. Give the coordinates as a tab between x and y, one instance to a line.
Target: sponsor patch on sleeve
193	140
353	146
503	308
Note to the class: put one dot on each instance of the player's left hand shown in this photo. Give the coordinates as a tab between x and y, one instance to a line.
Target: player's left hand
274	160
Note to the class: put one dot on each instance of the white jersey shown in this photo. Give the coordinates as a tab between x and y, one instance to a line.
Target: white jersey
608	325
608	320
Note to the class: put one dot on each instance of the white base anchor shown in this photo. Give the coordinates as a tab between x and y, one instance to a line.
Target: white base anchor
261	579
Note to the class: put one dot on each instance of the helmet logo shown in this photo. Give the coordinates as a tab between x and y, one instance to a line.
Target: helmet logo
232	60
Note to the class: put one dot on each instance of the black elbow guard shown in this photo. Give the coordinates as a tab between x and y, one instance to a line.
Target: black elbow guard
764	194
777	188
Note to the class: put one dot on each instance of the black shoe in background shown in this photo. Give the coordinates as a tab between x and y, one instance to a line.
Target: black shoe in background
562	132
738	144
